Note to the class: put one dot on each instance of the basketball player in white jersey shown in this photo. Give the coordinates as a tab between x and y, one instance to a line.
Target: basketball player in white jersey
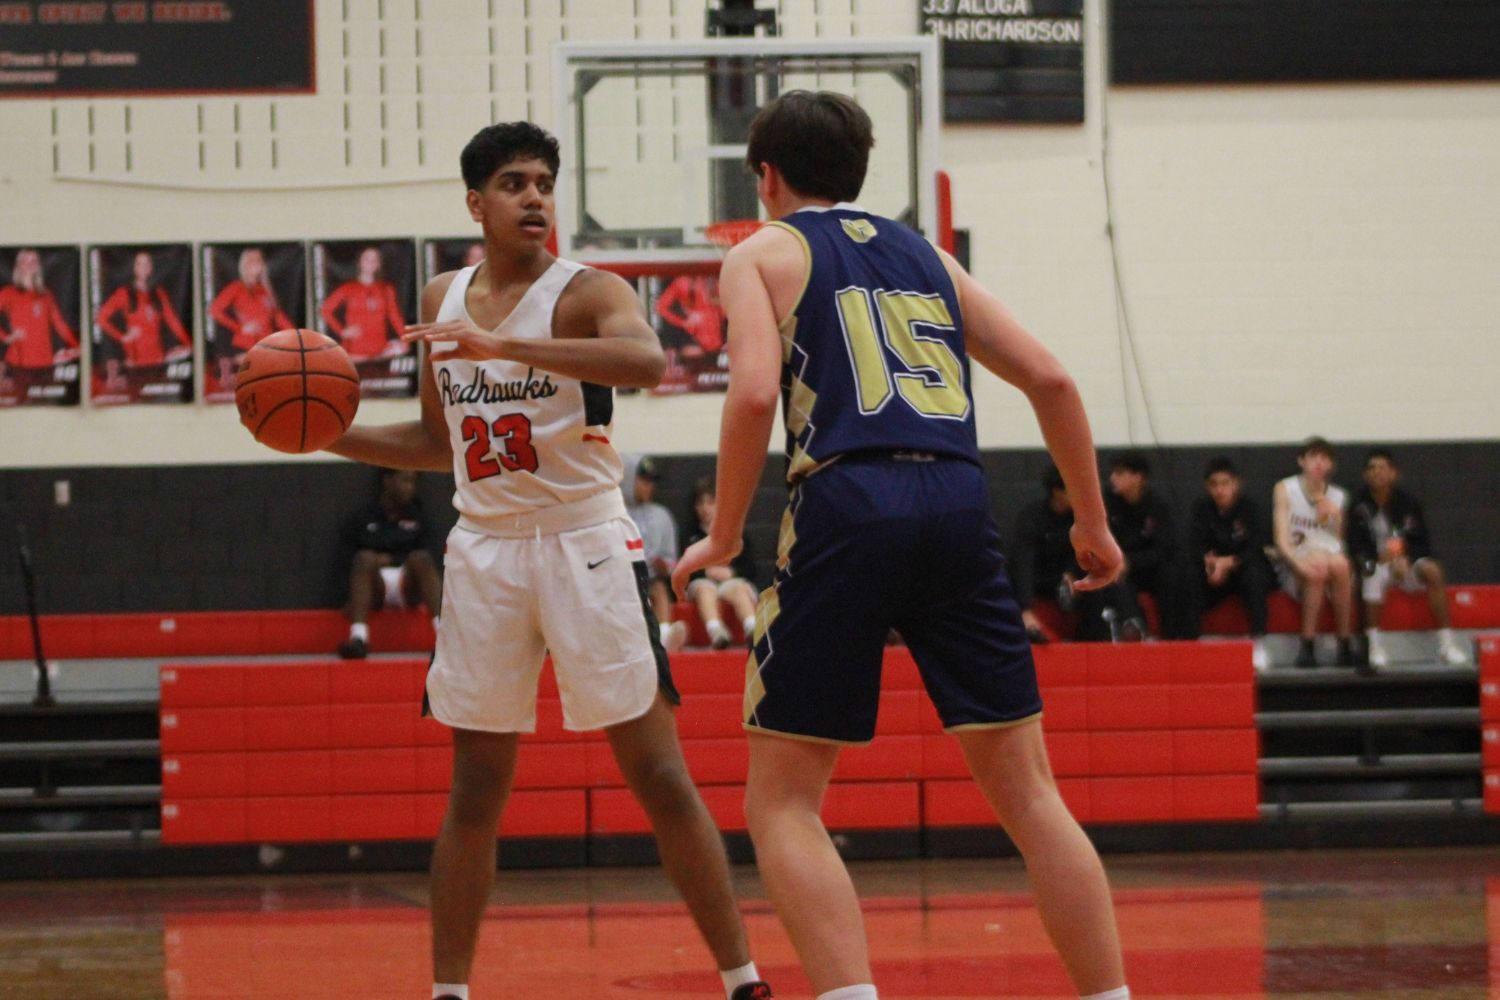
1308	517
523	350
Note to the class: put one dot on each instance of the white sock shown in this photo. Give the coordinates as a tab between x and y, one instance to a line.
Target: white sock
864	991
739	977
436	622
360	631
460	990
1123	993
714	626
1373	634
749	624
1445	636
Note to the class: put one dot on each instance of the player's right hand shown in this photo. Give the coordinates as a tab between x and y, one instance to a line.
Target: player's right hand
1098	553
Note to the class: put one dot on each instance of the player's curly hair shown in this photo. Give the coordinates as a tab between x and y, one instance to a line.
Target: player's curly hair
819	141
496	145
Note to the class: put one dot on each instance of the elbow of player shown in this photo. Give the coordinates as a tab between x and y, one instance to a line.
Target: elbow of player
1051	383
652	369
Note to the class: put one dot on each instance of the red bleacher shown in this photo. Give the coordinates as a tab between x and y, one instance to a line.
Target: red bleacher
1471	606
332	751
265	633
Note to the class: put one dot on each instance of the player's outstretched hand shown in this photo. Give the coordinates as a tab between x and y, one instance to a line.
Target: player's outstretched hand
1098	554
700	555
473	344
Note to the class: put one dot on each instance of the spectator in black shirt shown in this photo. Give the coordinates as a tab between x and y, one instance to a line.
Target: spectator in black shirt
1389	543
1142	523
734	584
1226	544
391	565
1044	564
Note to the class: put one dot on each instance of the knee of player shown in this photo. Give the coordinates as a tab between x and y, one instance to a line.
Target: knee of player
1431	573
366	560
662	785
421	560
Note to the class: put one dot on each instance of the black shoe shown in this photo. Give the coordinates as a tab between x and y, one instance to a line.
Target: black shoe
752	991
1305	657
1345	656
1036	637
447	996
1362	668
353	648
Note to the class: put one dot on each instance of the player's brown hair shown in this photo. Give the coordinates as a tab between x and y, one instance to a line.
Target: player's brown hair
819	141
1316	446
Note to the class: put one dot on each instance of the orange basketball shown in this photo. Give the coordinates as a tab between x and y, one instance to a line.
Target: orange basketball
297	391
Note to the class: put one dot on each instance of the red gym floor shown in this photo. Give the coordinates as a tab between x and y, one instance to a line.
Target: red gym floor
1326	925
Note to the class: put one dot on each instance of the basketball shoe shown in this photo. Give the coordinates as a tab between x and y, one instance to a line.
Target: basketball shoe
752	991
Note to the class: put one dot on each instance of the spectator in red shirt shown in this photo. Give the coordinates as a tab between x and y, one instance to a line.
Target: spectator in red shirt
371	325
248	309
144	308
30	318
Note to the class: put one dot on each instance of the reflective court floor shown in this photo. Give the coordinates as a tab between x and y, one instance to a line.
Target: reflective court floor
1327	925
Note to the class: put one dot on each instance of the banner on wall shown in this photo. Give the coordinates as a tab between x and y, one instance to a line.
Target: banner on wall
688	318
50	49
141	302
39	349
450	254
364	295
249	291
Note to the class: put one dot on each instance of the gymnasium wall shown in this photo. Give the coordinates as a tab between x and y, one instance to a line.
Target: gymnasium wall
1291	259
202	538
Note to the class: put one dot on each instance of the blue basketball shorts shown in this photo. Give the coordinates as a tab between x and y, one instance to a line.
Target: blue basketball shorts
877	541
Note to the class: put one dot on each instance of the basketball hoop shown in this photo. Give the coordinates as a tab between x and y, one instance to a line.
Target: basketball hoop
730	232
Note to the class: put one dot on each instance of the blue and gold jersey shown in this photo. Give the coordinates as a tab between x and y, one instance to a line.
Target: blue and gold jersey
873	354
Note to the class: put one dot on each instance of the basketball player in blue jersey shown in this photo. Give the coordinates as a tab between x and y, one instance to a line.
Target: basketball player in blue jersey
516	401
865	331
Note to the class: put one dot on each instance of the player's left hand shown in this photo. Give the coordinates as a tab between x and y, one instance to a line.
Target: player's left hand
701	554
473	344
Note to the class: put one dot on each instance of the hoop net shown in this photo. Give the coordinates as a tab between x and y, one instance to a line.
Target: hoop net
730	232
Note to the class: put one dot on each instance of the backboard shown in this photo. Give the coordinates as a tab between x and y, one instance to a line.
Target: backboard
653	138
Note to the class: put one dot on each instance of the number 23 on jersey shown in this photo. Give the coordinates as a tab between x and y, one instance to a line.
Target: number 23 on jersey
502	446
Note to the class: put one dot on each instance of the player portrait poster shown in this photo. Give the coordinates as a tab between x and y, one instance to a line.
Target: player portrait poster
690	321
441	255
40	289
364	295
249	291
141	304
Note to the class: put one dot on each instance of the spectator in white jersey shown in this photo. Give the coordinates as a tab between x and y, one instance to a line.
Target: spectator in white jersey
1389	542
1308	518
659	531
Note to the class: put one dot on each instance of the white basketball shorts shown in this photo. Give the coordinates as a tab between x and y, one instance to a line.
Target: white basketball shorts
1377	583
507	601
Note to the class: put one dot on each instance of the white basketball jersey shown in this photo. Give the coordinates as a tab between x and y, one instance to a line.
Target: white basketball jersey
523	439
1309	530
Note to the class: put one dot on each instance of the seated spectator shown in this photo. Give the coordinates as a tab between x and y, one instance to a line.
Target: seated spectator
1226	541
1308	517
391	566
1142	523
730	584
659	532
1389	543
1045	564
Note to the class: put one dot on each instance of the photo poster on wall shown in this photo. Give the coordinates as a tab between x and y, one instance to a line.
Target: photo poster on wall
141	308
688	317
364	295
249	291
40	291
449	254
